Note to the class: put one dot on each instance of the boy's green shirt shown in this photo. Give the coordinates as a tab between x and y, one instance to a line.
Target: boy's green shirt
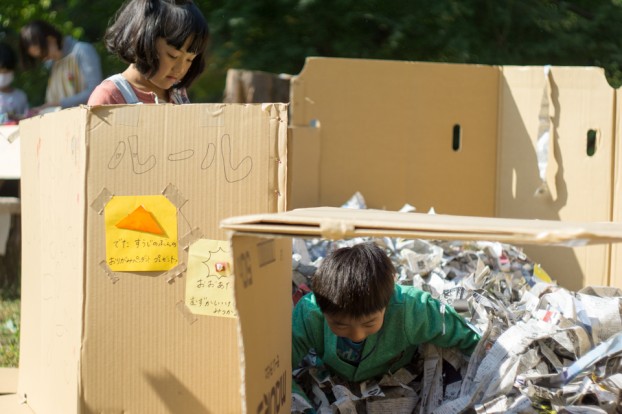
412	317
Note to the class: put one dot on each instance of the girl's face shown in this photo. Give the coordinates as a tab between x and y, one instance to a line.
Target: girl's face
355	329
174	63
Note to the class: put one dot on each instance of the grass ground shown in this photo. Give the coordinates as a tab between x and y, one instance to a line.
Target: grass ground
10	270
9	329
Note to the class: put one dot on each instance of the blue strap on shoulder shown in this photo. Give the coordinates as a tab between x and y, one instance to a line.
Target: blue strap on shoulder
126	90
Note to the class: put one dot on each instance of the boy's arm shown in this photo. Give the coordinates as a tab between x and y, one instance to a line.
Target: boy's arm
304	337
429	320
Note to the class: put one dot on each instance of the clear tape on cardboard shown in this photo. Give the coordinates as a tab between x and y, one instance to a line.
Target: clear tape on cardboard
113	276
174	195
12	136
213	117
190	237
183	309
175	273
336	229
101	200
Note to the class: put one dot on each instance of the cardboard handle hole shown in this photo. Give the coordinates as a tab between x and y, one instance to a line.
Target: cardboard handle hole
456	138
591	142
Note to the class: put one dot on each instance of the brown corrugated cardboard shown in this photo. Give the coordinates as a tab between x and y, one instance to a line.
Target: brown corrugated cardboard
11	404
386	129
579	100
8	380
342	223
616	251
254	238
94	340
461	139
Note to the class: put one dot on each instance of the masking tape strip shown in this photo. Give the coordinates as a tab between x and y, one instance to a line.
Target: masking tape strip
336	229
183	309
113	276
190	238
14	135
213	116
101	200
175	273
174	195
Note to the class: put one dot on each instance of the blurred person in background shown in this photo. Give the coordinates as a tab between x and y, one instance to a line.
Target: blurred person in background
75	67
13	101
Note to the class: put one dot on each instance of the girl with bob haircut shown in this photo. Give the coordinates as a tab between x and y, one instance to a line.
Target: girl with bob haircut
362	324
164	42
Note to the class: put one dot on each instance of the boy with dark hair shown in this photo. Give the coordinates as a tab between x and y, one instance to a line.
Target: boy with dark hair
361	324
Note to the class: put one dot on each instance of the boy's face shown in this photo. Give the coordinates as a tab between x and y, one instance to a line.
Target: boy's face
355	329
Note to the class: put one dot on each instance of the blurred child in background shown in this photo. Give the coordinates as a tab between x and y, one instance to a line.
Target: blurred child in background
75	68
13	101
164	42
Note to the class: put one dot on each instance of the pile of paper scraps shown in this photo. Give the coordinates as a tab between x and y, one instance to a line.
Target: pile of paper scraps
544	349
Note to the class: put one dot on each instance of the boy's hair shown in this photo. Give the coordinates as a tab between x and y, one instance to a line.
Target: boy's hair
8	58
354	281
138	23
36	33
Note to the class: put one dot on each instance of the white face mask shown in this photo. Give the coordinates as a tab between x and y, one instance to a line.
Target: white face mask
6	79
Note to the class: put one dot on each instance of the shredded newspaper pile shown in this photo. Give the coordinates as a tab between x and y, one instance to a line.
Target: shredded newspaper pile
544	349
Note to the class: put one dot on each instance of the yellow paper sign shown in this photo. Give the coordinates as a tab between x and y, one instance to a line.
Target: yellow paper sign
209	283
141	233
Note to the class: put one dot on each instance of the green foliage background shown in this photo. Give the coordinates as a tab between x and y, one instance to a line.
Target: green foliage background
277	35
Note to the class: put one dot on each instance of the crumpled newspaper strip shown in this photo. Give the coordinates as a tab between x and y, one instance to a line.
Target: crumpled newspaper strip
543	348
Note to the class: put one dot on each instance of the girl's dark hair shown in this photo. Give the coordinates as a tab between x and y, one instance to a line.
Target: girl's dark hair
138	23
36	33
354	281
8	58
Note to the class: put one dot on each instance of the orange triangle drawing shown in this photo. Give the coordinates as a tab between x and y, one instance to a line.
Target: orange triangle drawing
141	220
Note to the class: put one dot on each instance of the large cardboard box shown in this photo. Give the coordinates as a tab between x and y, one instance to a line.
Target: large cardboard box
463	139
97	339
459	138
261	247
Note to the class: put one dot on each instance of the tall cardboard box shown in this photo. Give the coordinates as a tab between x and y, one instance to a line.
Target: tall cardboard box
462	139
616	254
99	340
578	107
265	325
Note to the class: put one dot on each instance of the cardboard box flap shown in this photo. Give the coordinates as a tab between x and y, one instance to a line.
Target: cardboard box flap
335	223
263	302
397	124
8	380
13	404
